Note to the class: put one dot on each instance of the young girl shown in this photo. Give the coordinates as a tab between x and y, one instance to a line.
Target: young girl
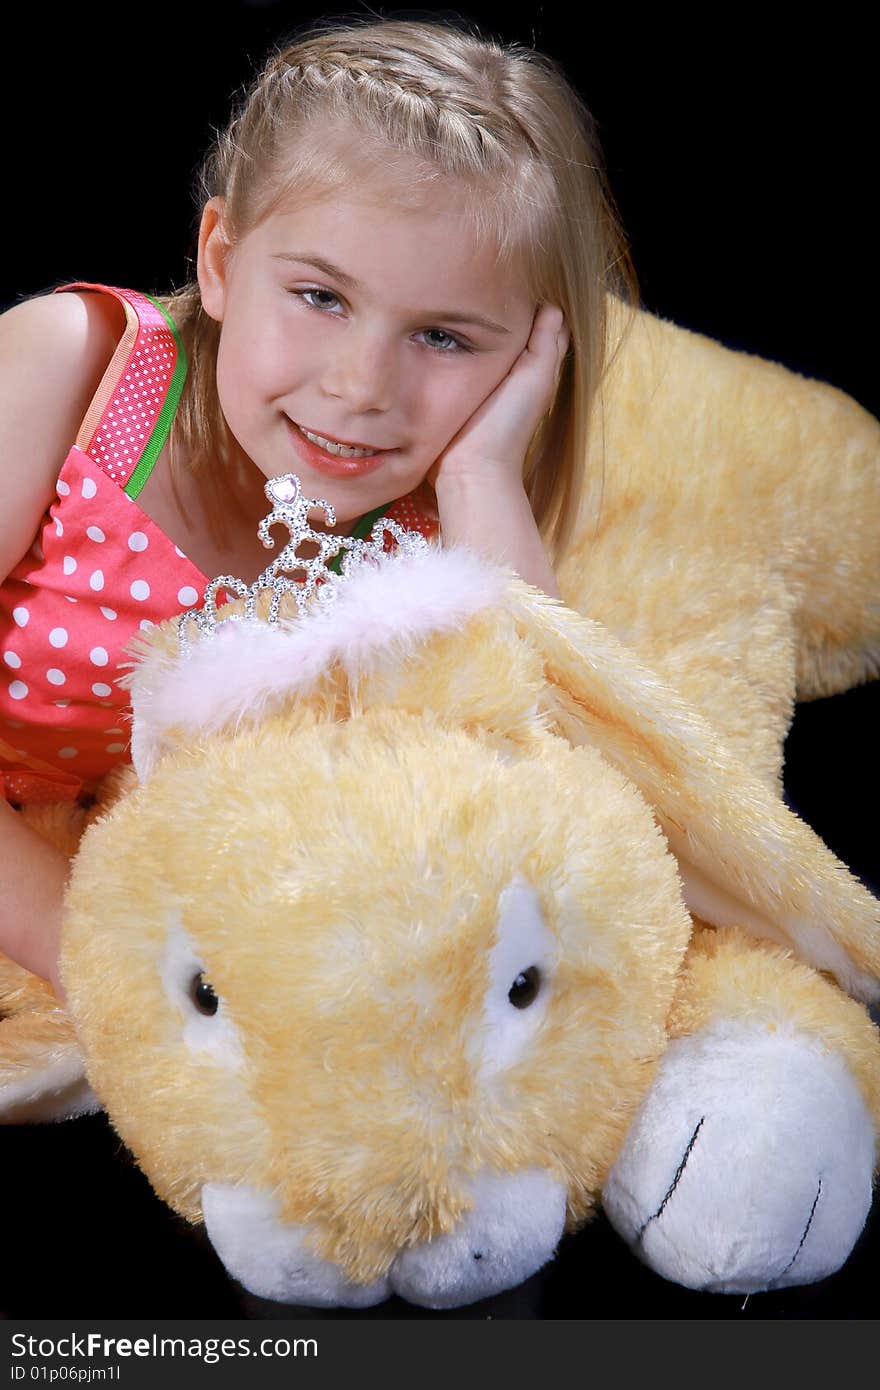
405	247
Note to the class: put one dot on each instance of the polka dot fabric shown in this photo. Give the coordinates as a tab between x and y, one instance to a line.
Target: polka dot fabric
99	571
415	512
124	416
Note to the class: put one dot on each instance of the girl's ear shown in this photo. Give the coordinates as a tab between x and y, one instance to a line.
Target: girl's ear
213	256
745	859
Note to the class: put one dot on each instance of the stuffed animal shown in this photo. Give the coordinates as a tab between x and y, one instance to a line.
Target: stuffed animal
437	912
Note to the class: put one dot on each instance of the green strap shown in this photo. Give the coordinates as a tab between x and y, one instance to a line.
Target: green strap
360	532
160	430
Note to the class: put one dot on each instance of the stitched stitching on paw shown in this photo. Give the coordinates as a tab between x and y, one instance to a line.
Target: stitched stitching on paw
806	1230
675	1181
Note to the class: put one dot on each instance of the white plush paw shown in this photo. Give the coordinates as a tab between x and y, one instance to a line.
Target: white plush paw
748	1166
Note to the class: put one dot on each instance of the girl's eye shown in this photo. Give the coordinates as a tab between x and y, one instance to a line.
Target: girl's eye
306	293
451	345
456	344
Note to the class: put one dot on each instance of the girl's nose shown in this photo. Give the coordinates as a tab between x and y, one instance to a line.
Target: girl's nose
362	372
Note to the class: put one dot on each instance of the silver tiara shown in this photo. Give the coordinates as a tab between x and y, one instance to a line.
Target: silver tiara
318	580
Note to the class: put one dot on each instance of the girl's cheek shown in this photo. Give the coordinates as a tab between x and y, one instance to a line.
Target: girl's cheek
481	387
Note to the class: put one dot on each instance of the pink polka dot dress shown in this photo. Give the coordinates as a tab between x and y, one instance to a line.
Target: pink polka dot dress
99	571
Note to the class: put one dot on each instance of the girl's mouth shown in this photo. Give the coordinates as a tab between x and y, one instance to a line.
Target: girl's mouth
342	462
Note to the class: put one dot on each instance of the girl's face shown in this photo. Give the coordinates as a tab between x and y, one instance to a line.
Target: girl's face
364	323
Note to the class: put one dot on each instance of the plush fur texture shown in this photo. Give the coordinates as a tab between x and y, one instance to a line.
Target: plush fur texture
484	882
247	672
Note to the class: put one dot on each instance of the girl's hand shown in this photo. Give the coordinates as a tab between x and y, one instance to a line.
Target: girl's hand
494	440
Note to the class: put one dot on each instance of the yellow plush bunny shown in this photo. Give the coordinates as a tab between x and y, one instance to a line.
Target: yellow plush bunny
437	913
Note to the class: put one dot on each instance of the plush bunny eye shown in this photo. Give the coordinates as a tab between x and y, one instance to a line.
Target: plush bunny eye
524	990
196	1013
203	996
519	988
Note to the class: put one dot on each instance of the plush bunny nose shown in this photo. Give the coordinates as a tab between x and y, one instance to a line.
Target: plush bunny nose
512	1229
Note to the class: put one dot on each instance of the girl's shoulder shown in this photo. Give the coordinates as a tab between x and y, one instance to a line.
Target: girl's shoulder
54	351
68	338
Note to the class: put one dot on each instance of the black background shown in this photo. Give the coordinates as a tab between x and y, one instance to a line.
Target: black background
742	157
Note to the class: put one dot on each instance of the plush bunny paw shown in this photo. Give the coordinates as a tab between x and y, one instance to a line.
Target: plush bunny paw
748	1166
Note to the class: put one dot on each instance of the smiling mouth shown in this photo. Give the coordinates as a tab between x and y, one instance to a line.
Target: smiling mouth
341	448
334	460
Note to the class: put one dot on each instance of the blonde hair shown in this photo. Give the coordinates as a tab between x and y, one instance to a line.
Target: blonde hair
427	102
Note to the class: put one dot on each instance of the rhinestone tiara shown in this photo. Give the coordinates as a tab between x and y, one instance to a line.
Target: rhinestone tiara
317	579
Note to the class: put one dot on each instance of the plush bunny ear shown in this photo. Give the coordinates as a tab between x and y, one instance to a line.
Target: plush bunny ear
745	859
42	1067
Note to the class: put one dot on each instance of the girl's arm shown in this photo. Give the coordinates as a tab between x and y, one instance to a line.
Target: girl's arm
492	515
53	353
33	875
478	477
